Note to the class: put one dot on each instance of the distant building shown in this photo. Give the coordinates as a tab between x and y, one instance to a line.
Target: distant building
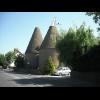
17	52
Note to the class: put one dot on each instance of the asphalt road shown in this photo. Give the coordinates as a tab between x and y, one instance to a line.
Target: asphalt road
9	78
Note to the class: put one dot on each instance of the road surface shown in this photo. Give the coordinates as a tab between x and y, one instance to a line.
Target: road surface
9	78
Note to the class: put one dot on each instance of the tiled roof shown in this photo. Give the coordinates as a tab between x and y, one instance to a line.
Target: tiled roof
35	42
50	38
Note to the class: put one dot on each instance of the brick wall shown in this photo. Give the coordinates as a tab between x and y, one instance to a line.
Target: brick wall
33	59
45	54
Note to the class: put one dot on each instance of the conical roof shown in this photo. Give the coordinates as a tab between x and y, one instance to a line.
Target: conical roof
35	42
50	38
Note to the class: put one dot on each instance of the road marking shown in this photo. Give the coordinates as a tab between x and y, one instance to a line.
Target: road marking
25	77
12	76
16	77
39	85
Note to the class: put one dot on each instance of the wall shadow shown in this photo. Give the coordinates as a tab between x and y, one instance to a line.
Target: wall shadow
44	81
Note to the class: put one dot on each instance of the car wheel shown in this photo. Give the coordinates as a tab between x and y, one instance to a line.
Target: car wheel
60	74
69	73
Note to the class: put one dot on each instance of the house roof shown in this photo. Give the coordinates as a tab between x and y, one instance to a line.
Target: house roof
35	42
50	38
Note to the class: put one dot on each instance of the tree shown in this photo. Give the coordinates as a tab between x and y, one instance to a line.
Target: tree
74	44
96	17
61	35
2	60
10	56
49	67
19	61
89	62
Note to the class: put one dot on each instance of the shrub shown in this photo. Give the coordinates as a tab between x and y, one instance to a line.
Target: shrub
20	62
2	60
10	56
89	62
49	67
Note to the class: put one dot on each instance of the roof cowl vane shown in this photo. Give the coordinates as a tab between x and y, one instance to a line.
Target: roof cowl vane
54	22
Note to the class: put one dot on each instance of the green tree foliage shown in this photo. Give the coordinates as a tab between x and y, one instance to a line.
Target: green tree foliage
89	62
2	60
10	56
61	35
20	62
49	67
96	17
75	43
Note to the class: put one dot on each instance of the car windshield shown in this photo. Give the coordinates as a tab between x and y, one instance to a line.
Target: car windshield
60	68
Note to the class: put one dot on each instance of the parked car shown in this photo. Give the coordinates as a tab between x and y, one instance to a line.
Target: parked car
62	71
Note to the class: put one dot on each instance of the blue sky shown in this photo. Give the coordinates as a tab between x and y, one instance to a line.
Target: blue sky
16	28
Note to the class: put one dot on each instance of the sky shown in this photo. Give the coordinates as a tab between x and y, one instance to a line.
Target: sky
16	28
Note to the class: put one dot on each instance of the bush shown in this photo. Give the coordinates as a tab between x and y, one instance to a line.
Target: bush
20	62
10	57
89	62
2	60
49	67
